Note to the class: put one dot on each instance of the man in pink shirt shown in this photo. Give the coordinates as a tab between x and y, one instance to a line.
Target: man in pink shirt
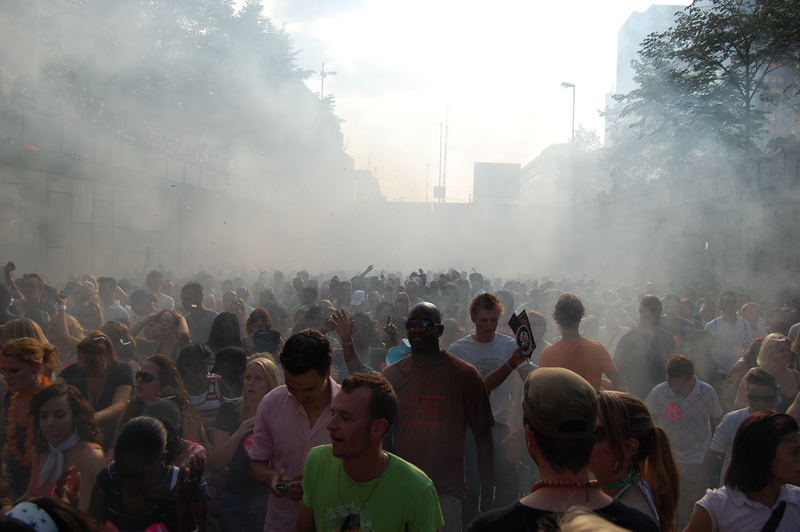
290	420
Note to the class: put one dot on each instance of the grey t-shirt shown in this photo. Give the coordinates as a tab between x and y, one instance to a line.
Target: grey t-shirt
199	329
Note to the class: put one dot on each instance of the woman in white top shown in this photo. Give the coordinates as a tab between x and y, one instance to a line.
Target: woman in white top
758	492
633	459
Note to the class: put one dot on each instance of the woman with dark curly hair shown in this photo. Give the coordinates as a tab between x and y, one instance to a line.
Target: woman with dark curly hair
66	436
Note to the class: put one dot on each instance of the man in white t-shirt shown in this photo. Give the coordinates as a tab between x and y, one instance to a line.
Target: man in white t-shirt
487	351
686	408
732	335
762	395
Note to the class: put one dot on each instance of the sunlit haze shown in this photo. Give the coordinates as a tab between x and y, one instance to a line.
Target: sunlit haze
498	66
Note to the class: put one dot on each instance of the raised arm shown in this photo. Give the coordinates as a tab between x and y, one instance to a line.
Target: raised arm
344	328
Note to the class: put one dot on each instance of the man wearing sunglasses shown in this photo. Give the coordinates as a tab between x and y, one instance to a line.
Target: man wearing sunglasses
762	395
440	396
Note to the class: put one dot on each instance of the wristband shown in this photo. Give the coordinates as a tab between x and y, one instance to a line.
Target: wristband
348	342
62	308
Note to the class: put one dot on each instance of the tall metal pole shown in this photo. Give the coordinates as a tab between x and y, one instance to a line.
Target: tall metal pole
322	75
572	139
322	82
444	162
441	132
427	180
568	85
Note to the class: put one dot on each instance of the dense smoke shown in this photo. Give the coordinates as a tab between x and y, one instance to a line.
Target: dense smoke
184	132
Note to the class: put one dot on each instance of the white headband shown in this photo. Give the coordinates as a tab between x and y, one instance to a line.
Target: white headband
33	516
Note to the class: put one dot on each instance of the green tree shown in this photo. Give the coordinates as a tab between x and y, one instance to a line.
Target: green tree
702	84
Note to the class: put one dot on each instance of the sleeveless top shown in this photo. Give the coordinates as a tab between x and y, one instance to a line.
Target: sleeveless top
208	402
634	480
48	488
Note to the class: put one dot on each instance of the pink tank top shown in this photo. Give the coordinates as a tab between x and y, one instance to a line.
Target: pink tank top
48	488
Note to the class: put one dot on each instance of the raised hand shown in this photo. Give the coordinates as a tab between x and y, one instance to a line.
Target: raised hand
68	487
343	325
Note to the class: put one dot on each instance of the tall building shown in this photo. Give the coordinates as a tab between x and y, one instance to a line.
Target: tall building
632	33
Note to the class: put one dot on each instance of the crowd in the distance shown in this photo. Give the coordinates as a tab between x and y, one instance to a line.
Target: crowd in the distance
394	402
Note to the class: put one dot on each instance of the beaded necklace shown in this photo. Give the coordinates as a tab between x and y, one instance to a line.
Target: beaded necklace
567	484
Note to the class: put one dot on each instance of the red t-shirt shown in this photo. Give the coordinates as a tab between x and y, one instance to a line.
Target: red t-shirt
437	403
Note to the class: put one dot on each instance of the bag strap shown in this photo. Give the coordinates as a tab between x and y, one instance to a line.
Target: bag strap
775	518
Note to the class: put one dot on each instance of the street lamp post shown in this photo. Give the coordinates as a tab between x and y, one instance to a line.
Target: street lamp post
567	85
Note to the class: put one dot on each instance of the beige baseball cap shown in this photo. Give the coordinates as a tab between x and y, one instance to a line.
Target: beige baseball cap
560	403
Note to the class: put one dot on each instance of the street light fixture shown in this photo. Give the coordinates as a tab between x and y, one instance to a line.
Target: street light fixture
568	85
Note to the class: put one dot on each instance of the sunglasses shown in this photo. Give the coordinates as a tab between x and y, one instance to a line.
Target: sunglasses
145	377
419	324
755	398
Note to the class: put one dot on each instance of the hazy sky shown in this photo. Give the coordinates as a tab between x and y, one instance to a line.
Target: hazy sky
498	65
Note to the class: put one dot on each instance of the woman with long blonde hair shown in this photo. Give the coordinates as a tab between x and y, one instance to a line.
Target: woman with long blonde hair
774	357
633	459
243	504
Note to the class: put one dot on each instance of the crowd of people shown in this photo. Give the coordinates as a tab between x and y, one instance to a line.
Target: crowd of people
394	402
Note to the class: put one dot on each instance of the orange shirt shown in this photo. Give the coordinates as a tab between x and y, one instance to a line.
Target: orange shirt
587	358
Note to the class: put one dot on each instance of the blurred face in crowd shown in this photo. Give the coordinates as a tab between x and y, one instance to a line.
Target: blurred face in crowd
682	385
729	305
30	288
604	463
259	324
782	355
422	330
167	325
255	382
750	314
649	313
55	420
786	464
19	374
760	397
147	385
139	476
106	291
191	298
307	388
485	321
153	283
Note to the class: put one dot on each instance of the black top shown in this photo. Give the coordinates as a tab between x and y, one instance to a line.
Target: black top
119	374
237	472
521	518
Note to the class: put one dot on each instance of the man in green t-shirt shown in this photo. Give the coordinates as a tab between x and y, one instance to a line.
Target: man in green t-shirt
353	484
